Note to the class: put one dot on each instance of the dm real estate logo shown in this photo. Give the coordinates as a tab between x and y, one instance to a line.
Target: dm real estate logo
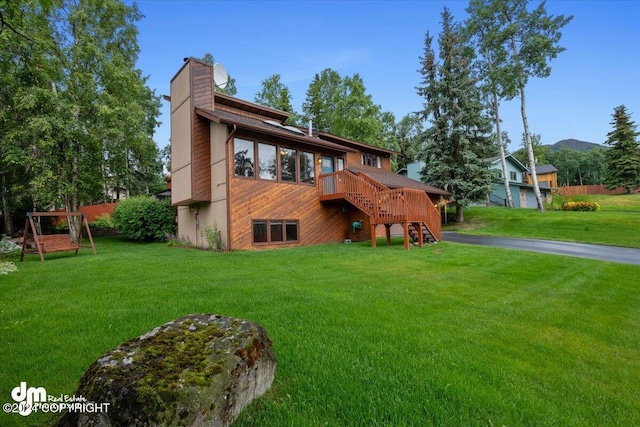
29	399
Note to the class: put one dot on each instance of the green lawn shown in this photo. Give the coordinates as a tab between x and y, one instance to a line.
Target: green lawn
617	223
446	335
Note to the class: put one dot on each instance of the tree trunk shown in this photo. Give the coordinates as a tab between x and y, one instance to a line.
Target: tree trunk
527	134
459	214
6	210
72	201
503	161
529	147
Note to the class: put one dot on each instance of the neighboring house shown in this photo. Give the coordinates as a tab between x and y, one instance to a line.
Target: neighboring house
521	192
547	176
413	170
264	185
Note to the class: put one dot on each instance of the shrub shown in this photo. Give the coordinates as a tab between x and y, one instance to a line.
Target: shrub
581	206
8	248
556	203
212	235
103	221
144	218
7	267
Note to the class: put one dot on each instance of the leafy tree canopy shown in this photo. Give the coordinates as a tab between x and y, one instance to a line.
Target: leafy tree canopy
78	117
342	106
276	95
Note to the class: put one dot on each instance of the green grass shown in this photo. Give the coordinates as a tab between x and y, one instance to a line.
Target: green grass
617	223
445	335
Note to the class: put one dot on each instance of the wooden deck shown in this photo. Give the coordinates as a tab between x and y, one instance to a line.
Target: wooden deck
411	208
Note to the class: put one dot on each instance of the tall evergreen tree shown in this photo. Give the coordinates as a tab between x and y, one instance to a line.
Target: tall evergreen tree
623	158
457	141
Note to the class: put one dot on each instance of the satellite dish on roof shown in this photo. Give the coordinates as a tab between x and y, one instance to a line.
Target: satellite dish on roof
220	76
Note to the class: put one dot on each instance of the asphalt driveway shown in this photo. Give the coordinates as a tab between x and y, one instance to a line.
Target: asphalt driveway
581	250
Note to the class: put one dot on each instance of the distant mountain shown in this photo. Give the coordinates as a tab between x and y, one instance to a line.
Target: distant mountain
574	144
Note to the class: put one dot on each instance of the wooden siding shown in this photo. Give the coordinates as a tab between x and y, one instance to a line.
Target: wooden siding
201	96
255	199
201	160
201	85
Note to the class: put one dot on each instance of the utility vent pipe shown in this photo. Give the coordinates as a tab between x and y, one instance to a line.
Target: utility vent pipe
311	125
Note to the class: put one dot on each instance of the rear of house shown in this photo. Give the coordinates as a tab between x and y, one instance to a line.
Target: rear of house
263	184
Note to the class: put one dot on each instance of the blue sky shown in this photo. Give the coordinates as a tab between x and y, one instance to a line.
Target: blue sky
382	41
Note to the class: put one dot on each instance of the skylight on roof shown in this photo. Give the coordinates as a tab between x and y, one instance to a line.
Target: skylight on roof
294	130
273	123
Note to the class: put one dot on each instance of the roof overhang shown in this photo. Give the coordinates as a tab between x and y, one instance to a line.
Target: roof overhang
259	126
355	144
394	180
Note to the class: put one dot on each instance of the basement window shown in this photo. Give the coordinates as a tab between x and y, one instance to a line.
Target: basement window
275	231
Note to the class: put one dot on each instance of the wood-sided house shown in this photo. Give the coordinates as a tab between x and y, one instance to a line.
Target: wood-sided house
264	185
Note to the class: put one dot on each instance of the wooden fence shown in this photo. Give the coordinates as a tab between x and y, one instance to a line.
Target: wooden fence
91	212
577	190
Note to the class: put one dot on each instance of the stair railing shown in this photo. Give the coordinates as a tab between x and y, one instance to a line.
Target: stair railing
381	204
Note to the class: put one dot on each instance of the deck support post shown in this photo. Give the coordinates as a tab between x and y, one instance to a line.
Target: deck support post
405	226
420	235
388	229
373	235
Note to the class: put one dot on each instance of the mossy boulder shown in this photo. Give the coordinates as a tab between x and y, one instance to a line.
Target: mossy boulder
199	370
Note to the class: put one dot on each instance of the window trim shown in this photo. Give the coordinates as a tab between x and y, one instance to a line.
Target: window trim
284	236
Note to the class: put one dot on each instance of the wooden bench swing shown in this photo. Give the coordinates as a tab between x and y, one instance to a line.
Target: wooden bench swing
54	242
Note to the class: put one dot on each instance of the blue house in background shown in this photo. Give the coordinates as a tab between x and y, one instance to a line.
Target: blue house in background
413	170
521	192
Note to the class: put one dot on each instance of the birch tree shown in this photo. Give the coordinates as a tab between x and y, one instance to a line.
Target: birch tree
521	44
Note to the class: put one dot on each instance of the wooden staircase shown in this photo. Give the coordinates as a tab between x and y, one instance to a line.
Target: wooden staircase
409	207
426	234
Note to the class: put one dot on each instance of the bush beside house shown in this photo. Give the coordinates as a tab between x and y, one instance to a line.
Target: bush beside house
144	218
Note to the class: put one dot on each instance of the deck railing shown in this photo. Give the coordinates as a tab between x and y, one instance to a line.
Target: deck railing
383	205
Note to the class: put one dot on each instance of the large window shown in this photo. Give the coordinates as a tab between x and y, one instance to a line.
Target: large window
244	158
275	231
307	168
287	164
267	159
273	162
